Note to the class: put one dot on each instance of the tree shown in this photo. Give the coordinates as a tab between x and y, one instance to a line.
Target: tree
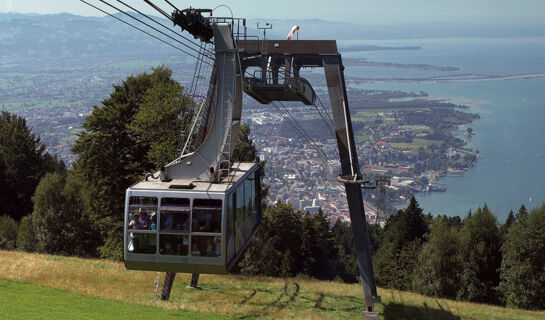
403	237
504	228
522	213
480	251
346	264
136	130
437	269
276	248
61	217
23	162
523	264
317	247
8	232
245	149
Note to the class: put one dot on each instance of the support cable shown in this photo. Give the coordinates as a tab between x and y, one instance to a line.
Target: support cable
166	27
305	132
141	30
325	110
302	133
172	5
331	131
149	26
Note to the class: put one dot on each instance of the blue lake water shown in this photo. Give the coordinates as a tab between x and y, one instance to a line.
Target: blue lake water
511	133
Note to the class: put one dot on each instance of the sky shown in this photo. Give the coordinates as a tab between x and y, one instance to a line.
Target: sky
372	12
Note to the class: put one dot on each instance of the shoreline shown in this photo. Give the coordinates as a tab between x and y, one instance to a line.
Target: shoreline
451	78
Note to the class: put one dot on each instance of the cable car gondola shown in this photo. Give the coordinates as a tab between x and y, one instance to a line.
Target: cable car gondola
192	226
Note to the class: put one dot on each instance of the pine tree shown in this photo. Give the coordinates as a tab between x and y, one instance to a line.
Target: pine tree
317	246
481	256
346	264
509	221
403	236
522	213
523	264
23	162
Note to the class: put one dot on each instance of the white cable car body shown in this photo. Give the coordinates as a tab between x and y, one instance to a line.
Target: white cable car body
204	229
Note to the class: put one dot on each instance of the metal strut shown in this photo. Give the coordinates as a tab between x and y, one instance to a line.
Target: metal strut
350	167
167	285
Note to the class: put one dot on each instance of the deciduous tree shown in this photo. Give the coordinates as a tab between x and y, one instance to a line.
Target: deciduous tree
438	265
61	217
136	130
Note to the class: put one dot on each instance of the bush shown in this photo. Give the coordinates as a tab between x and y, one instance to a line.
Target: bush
26	236
8	232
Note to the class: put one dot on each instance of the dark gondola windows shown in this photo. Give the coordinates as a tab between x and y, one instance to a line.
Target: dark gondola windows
173	244
207	215
207	246
142	213
142	219
175	229
174	215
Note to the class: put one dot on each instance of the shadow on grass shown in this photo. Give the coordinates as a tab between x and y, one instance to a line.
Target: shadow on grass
290	296
399	311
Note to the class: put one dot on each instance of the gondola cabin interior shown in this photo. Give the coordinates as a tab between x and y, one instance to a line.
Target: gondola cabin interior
192	226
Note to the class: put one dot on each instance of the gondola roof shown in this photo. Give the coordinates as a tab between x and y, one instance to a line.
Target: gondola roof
238	170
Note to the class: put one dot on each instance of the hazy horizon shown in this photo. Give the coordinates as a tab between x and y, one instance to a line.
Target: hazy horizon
388	12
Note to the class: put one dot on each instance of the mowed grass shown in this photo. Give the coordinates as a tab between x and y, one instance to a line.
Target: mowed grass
100	289
20	300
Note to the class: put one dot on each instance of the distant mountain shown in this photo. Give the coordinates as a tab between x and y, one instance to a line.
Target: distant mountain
66	35
321	29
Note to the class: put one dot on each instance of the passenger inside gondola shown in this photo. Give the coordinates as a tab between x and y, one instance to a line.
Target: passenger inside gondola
169	222
173	244
143	220
153	223
134	222
195	250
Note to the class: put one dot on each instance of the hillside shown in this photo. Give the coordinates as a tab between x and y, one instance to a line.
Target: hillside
55	287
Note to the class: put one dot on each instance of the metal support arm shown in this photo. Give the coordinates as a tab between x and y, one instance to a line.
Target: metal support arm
349	165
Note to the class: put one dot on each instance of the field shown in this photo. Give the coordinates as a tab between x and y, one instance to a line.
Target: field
53	287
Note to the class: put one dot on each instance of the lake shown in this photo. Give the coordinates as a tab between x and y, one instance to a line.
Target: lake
511	133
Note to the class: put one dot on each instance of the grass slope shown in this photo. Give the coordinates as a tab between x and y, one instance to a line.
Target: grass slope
53	287
20	300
